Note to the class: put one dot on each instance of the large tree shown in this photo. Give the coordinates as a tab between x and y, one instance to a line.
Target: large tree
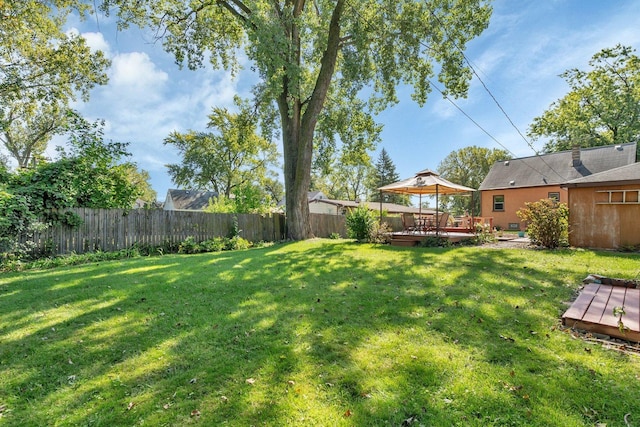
43	68
26	129
602	107
229	157
468	166
316	57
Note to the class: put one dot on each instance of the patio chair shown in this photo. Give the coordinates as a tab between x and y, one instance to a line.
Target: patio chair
408	223
441	224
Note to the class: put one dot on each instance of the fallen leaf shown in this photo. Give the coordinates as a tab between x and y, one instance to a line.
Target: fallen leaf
290	382
414	357
348	413
447	401
193	380
130	405
195	413
166	406
70	362
512	373
224	399
507	338
412	419
250	380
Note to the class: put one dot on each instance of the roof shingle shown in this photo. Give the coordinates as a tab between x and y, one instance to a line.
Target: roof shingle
557	168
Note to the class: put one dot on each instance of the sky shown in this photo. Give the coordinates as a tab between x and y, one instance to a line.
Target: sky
519	57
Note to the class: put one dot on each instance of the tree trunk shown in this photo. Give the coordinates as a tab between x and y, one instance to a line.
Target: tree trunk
296	181
298	129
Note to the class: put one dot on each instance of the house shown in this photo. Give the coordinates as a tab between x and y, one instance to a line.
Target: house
188	200
511	183
341	207
604	209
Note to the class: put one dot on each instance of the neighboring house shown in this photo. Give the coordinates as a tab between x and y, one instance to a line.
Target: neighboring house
511	183
311	196
604	209
141	204
188	200
315	195
341	207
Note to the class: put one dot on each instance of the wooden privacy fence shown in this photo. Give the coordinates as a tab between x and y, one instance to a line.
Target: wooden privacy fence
115	229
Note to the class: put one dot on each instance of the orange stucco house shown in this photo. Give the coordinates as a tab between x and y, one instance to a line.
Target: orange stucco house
511	183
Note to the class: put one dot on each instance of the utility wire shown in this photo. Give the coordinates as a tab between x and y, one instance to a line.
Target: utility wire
495	100
434	86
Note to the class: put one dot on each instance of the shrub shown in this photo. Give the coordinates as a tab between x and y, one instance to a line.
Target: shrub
434	242
547	222
16	219
189	246
217	244
360	224
380	233
236	243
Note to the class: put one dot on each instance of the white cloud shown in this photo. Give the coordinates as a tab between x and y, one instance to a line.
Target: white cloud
135	71
96	42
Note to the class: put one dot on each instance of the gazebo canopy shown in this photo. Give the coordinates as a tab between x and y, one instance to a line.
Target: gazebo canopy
425	182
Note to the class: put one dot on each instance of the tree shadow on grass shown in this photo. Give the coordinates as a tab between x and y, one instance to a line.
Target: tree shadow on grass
322	332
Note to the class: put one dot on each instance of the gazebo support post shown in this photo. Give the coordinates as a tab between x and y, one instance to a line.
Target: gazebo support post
473	222
437	219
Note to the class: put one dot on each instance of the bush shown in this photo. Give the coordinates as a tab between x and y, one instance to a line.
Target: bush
435	242
380	232
547	223
217	244
360	224
236	243
16	220
189	246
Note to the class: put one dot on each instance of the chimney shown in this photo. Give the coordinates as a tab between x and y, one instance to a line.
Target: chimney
575	156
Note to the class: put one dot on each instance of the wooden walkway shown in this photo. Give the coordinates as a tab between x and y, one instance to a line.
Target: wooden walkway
593	311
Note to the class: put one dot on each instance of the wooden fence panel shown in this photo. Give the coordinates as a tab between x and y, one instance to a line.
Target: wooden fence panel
115	229
323	225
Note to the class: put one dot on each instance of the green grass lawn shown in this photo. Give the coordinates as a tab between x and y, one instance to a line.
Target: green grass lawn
322	332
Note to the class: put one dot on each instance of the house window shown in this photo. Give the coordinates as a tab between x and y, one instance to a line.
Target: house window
514	226
555	196
498	203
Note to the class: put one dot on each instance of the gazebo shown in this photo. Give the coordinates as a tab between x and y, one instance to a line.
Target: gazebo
425	182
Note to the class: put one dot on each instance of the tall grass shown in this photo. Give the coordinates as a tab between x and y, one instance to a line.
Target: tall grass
323	332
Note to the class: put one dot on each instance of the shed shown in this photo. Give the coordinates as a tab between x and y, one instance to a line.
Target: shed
604	209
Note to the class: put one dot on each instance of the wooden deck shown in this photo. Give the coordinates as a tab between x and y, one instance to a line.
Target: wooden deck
414	238
593	311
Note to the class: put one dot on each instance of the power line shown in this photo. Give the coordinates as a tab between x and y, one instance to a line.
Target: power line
495	100
357	13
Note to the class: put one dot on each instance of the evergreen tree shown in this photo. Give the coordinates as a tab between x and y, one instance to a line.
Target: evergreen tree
383	174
